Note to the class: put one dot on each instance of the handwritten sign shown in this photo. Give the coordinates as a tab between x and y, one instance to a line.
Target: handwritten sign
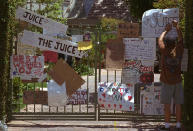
131	76
27	67
48	24
155	20
138	71
51	44
150	100
138	49
116	96
128	30
78	97
35	97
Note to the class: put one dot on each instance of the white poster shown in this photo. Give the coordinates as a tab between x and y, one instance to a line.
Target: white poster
27	67
77	38
51	44
140	49
50	25
57	95
78	97
150	100
23	49
116	96
155	20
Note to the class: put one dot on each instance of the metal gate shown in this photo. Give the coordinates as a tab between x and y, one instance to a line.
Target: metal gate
78	111
90	110
69	112
113	115
87	111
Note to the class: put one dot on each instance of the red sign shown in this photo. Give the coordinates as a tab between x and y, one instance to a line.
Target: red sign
50	56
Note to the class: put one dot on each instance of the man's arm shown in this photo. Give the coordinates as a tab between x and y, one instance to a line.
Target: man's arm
178	29
161	41
161	38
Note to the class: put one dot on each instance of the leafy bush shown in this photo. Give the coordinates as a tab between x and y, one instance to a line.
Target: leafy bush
82	67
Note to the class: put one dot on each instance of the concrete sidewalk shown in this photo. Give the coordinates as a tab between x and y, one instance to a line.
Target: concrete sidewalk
75	126
83	126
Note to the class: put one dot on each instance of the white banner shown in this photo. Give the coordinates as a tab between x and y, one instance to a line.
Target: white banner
27	67
140	49
155	20
41	21
116	96
52	44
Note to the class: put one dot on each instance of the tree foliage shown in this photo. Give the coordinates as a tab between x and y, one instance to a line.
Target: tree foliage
51	9
138	7
9	29
163	4
186	22
188	88
3	47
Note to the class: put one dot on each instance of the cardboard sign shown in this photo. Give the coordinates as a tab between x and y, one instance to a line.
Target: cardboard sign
155	20
35	97
41	21
62	72
33	80
116	96
184	64
150	100
51	44
138	49
50	56
27	67
114	53
135	71
128	30
78	97
23	49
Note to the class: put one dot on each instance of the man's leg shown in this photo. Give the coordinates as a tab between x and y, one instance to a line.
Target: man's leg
178	99
166	95
178	112
167	112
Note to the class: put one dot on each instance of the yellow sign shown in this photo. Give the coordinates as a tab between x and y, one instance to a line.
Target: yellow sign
84	45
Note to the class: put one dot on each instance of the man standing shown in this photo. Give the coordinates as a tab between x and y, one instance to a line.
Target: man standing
171	54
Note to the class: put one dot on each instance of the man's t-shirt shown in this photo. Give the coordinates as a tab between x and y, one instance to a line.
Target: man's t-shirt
171	66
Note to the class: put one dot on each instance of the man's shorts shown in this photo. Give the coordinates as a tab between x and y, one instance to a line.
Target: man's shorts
172	91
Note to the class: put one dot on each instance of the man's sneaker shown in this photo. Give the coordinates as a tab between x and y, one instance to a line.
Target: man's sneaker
163	129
